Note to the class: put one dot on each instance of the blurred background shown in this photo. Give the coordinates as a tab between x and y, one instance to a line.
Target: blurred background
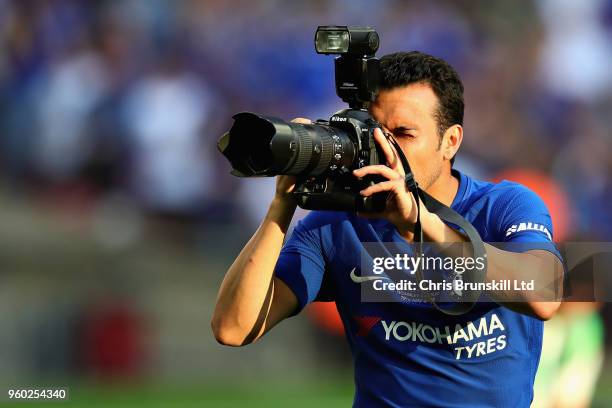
119	218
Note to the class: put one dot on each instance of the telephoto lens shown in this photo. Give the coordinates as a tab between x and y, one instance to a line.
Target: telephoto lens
259	145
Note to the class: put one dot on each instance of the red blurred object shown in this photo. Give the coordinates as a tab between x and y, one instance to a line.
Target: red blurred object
112	341
326	316
553	195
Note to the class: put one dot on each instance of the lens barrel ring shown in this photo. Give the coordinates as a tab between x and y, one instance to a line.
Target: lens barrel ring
304	153
327	152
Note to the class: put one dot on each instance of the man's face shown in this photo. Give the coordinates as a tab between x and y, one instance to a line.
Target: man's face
408	113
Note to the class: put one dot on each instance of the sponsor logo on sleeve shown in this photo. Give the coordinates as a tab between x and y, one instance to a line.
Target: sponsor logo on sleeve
529	226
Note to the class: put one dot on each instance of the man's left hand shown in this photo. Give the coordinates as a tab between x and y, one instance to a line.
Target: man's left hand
401	209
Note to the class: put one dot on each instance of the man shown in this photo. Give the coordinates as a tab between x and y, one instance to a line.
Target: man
407	354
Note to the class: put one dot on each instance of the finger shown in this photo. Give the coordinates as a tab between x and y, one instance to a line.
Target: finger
303	121
377	169
378	187
384	144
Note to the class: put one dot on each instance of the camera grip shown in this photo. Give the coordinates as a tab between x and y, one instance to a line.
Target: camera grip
376	202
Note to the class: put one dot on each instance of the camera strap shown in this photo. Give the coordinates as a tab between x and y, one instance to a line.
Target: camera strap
453	302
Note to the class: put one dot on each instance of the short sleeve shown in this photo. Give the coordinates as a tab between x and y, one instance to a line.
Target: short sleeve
301	264
525	222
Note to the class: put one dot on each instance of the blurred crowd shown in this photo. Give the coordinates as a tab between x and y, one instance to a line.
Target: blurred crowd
117	105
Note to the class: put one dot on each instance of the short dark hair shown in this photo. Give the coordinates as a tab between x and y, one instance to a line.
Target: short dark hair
405	68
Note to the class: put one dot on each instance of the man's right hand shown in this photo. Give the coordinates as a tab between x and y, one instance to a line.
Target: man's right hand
284	187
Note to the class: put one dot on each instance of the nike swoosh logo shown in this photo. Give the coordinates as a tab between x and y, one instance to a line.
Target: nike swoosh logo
361	279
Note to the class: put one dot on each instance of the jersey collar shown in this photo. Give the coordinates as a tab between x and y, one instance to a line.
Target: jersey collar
458	201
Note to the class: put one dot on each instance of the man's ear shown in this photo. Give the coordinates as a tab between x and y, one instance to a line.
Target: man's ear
453	136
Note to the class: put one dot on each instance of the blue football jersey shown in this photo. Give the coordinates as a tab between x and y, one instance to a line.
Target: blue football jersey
411	355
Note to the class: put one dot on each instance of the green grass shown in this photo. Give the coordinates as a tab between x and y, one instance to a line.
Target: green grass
322	393
265	394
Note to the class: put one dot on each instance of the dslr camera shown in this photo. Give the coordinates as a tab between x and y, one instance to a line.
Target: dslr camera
321	155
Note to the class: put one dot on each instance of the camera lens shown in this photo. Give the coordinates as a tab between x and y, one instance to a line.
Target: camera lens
266	146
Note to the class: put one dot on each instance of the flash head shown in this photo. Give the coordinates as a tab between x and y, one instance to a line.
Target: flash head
362	41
